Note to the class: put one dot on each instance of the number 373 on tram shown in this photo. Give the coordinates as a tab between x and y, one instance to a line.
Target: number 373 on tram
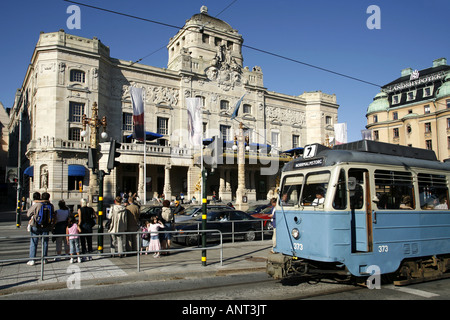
363	206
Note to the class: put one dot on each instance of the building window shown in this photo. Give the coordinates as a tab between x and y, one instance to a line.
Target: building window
225	132
448	123
428	145
274	139
427	91
448	142
76	111
376	135
396	134
395	115
75	134
375	119
411	95
428	127
163	126
77	76
408	128
448	103
205	128
426	108
396	99
247	109
224	105
327	120
295	141
127	121
203	100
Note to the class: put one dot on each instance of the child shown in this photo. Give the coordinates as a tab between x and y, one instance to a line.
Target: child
154	244
145	236
73	230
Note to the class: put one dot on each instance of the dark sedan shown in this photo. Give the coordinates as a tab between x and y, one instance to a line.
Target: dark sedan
148	212
229	222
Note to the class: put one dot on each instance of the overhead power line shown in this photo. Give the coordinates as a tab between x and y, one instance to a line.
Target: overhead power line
246	46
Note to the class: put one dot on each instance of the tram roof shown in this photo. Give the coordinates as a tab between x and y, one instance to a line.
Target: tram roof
373	152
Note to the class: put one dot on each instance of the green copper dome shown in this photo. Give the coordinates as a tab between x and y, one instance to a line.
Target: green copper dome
380	103
444	90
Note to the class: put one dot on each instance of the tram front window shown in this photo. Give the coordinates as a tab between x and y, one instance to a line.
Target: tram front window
315	189
290	192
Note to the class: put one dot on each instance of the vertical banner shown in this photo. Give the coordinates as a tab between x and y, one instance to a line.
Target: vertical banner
137	99
236	108
340	133
195	125
366	134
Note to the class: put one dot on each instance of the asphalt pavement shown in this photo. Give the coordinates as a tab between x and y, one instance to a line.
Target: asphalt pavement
182	262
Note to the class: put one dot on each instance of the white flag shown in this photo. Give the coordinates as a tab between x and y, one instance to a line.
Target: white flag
340	133
137	100
195	125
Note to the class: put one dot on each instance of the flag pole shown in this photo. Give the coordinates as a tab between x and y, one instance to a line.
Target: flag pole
145	153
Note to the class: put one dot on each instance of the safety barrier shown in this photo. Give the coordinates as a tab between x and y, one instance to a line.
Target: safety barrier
138	234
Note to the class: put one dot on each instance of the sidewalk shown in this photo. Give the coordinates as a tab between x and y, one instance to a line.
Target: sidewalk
238	257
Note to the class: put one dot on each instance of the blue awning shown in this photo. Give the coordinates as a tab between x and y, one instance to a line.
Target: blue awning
29	171
298	150
76	170
150	136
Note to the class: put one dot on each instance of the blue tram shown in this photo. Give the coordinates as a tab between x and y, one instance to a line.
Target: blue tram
362	207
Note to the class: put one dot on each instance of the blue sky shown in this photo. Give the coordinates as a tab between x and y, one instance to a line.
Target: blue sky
329	34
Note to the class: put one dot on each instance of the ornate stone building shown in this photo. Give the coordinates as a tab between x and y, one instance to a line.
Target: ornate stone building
68	74
414	110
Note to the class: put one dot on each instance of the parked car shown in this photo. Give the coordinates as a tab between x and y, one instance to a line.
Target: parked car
148	212
195	211
244	225
257	208
264	214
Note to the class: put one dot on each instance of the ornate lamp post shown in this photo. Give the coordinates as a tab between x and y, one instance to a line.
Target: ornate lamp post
240	147
94	123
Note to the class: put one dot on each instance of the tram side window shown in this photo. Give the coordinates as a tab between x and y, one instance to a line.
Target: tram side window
315	189
393	188
433	191
290	191
340	197
356	176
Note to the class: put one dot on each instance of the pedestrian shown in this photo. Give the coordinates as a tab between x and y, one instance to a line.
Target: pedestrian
155	245
36	198
40	228
62	215
273	203
168	219
133	213
179	209
73	229
118	214
145	236
86	221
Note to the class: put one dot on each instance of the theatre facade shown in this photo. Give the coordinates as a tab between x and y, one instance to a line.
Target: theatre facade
70	76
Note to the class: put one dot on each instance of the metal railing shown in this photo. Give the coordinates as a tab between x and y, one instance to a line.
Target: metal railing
43	258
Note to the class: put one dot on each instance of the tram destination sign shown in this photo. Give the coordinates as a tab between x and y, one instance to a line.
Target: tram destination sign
309	163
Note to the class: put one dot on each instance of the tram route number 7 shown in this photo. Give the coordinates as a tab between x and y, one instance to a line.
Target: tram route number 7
310	151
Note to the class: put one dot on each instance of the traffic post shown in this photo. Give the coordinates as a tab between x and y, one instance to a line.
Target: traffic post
113	154
204	216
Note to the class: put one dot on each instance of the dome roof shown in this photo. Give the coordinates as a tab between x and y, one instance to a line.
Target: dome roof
444	90
380	103
208	21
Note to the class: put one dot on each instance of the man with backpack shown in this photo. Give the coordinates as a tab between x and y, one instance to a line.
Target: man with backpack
42	218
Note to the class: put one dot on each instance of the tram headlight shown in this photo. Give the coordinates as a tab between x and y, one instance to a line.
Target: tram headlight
295	233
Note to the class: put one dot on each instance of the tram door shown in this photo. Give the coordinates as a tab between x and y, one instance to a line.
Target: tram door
361	210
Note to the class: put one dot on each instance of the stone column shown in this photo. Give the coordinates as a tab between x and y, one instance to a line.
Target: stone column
167	187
